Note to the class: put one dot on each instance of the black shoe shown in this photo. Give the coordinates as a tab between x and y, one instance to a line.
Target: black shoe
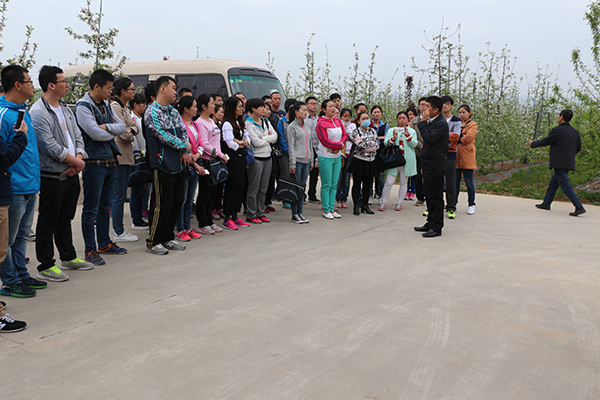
578	211
315	200
423	228
367	210
296	219
431	233
8	324
543	206
356	210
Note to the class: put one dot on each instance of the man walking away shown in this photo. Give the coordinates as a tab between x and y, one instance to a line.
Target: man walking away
565	143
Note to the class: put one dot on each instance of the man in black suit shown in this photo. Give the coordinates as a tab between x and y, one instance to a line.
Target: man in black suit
434	129
565	143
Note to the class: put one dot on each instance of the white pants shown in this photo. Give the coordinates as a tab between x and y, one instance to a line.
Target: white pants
389	182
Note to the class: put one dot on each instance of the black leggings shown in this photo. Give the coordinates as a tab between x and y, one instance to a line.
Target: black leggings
232	200
365	182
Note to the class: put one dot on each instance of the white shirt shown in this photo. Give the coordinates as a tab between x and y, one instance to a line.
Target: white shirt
63	124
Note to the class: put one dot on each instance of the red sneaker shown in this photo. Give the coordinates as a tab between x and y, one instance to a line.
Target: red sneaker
241	223
194	234
264	218
183	236
254	220
229	224
269	208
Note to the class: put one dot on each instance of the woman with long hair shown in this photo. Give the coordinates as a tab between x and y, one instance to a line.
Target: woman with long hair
236	141
362	166
218	118
301	153
404	137
187	107
211	138
466	161
332	138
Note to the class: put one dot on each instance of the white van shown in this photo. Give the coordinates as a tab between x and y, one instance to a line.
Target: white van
204	75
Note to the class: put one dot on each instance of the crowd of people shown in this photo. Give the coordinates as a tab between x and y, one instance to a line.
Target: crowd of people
170	149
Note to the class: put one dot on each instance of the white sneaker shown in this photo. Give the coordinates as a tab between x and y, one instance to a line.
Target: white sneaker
327	215
336	215
125	237
471	210
216	228
206	230
370	200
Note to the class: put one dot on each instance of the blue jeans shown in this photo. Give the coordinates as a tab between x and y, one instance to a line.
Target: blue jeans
120	194
561	178
468	173
302	170
20	218
344	182
184	221
98	193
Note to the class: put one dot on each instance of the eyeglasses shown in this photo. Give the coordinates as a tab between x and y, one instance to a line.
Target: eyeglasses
133	90
63	81
29	81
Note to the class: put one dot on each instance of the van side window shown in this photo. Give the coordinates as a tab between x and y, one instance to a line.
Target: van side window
203	83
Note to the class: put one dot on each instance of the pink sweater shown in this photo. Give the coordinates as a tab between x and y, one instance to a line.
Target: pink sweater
211	138
328	139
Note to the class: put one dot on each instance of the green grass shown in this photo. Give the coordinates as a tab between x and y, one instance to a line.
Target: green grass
536	186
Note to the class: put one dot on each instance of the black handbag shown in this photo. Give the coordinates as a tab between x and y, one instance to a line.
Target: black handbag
142	173
276	152
289	190
218	171
390	157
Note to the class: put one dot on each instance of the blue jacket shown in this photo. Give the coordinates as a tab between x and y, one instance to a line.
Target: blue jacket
8	156
26	171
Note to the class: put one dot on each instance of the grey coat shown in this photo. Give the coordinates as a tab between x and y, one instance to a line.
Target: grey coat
52	143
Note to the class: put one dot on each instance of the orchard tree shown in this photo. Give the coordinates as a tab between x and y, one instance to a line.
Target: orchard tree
26	57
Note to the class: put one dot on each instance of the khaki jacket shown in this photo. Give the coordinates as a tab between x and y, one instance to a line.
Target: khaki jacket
124	141
465	151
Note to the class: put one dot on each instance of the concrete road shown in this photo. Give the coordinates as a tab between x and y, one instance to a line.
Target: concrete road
505	305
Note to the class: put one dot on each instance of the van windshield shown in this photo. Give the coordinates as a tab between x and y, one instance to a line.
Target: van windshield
255	86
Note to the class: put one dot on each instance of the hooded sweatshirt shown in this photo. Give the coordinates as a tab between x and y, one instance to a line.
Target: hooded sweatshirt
26	171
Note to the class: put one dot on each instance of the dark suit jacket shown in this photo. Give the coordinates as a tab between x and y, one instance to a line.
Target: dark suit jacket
564	142
435	143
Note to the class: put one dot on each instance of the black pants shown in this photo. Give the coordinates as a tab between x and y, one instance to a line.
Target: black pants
420	191
312	182
165	204
361	184
434	193
58	202
218	200
232	200
204	201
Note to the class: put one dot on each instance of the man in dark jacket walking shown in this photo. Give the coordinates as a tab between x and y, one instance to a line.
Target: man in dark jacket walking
434	154
565	143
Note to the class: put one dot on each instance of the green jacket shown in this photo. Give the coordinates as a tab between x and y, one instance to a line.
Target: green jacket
410	169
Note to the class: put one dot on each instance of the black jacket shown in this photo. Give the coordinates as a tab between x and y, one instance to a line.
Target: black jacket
9	154
435	143
564	142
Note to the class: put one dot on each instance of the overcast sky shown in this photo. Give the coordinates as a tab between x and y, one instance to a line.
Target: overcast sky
537	32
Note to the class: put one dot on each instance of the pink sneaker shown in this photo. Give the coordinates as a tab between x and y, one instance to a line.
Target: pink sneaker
264	219
382	207
241	223
254	220
398	207
194	234
229	224
183	236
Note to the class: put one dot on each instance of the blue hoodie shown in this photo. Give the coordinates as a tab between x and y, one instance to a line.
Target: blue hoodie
26	171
